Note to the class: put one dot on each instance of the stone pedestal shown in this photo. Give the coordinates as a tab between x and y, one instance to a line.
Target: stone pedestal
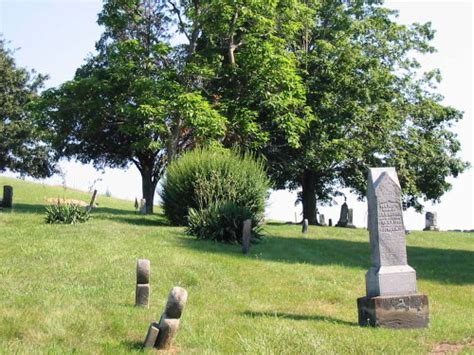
404	311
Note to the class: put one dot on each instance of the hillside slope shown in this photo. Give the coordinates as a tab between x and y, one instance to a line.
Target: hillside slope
71	288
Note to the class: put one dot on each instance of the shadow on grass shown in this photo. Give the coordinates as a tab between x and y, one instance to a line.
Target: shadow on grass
442	265
132	345
311	317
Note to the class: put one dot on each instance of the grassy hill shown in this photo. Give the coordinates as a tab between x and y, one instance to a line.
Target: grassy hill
67	288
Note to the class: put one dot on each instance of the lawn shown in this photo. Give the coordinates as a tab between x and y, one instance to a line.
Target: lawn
66	288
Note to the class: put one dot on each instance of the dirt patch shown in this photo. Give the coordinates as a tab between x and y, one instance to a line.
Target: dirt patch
452	348
66	201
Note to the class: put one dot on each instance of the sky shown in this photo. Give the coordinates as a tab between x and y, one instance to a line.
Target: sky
55	36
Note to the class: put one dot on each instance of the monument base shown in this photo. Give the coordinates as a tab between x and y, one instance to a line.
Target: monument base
404	311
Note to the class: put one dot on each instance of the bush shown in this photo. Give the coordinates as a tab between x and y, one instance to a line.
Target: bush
221	222
66	214
208	179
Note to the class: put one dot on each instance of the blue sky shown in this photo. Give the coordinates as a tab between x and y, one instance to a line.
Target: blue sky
55	36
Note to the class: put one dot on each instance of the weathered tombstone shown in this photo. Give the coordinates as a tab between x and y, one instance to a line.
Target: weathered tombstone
330	222
142	209
392	300
350	216
7	201
142	291
431	221
322	220
304	229
343	218
246	234
161	335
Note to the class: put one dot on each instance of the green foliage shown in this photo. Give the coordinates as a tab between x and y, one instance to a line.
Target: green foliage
221	222
213	177
22	147
66	214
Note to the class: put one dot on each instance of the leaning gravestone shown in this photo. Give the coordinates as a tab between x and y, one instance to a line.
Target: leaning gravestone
142	291
431	221
322	220
246	234
344	216
304	228
7	201
161	335
350	217
392	300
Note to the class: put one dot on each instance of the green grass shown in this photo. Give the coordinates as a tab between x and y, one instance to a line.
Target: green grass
66	288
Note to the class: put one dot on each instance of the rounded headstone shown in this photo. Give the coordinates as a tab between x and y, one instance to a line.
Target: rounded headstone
176	302
143	271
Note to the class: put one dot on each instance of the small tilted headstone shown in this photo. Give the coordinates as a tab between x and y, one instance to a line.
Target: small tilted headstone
7	201
392	300
142	292
431	221
92	203
304	229
161	335
246	234
322	220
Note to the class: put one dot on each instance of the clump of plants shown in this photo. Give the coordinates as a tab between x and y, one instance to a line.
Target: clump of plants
213	191
66	214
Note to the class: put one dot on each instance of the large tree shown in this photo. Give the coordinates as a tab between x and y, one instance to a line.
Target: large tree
132	102
372	107
22	145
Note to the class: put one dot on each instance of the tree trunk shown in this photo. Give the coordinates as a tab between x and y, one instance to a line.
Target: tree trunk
309	197
148	188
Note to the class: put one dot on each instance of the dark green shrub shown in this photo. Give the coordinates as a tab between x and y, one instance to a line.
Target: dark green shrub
66	214
221	222
205	177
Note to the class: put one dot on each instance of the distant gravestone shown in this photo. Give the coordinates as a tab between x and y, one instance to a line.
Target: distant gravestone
344	216
7	201
350	217
161	335
431	221
330	222
142	291
322	220
142	209
304	228
392	300
246	235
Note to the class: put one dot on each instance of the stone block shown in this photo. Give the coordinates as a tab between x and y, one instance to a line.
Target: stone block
402	311
142	295
151	336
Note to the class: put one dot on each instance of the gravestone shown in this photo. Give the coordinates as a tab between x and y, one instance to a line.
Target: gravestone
142	209
431	221
304	229
350	216
7	201
142	291
392	300
343	218
92	203
161	335
330	222
322	220
246	234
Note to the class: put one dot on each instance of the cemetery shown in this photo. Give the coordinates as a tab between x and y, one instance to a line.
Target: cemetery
216	106
292	292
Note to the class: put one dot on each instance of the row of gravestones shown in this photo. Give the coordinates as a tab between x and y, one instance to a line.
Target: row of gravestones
347	216
160	334
391	300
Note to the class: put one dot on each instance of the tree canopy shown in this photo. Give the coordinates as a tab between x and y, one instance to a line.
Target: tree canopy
22	147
